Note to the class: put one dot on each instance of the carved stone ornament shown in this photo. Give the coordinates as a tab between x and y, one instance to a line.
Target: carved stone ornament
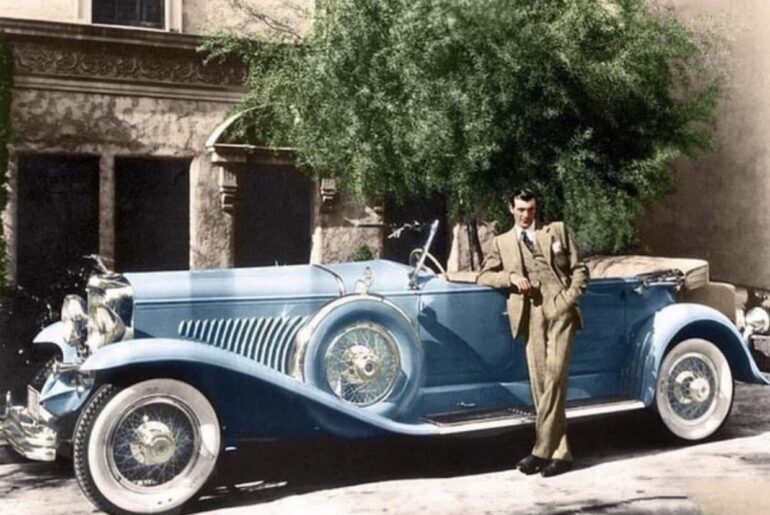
228	189
329	194
110	61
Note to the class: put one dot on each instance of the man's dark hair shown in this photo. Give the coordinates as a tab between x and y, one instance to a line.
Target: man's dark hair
524	194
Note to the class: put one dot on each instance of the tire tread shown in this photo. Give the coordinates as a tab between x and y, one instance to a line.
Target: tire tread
80	445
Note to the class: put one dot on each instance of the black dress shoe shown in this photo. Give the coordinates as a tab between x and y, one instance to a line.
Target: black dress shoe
556	467
531	464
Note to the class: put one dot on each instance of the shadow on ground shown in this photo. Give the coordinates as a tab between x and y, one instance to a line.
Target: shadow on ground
264	472
261	473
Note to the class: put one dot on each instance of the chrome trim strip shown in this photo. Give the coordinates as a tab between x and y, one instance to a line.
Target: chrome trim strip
337	277
522	420
604	409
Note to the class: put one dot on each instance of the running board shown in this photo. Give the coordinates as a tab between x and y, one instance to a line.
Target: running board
496	420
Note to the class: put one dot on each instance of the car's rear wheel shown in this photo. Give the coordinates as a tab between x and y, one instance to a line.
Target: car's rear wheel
695	389
147	448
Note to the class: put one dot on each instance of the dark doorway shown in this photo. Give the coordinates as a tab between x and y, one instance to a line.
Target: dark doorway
420	210
58	216
274	216
152	214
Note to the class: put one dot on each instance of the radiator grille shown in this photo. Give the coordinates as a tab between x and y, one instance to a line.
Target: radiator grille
267	340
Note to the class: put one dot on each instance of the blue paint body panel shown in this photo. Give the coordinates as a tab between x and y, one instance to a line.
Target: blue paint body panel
234	335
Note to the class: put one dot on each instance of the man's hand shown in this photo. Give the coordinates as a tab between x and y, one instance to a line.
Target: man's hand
521	284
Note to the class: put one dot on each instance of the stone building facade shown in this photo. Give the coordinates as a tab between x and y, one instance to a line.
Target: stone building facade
117	149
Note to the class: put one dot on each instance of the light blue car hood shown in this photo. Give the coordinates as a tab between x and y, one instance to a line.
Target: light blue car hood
265	282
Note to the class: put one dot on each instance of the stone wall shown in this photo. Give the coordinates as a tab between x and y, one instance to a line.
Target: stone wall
345	230
52	10
198	17
201	16
108	125
719	211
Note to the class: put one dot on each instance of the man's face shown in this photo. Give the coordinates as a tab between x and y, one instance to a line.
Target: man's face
523	212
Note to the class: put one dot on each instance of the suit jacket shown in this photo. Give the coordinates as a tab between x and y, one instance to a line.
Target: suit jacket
504	260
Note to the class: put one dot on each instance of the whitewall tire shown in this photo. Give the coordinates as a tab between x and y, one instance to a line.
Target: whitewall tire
695	389
147	448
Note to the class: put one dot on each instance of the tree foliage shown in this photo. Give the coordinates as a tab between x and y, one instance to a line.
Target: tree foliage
588	101
6	134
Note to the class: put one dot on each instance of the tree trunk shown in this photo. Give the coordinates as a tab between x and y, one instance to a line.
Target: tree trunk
474	243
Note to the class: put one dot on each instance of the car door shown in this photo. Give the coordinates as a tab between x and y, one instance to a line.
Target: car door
469	351
600	350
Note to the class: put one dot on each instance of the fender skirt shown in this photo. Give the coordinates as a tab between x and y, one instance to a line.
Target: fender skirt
679	322
251	400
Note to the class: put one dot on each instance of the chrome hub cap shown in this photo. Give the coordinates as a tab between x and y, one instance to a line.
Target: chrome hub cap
700	389
153	443
362	364
692	387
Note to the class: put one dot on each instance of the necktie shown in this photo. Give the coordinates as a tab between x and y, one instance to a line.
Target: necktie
527	241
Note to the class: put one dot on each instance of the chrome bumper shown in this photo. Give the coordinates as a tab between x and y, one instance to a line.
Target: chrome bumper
27	436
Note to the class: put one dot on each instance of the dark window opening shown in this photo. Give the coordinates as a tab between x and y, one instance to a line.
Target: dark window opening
58	216
143	13
152	214
273	218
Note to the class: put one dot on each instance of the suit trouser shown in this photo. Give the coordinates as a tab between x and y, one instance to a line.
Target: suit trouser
549	349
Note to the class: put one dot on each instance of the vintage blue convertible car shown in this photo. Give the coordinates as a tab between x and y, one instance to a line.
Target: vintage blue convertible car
159	372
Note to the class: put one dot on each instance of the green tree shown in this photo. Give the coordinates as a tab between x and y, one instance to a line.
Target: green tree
6	134
588	101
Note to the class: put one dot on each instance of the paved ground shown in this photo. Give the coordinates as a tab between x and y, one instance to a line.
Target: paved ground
627	464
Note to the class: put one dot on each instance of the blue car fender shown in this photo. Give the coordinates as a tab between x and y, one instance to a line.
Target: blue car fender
224	377
679	322
54	334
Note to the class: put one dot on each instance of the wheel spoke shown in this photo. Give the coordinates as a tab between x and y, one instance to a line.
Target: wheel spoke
362	364
692	387
153	444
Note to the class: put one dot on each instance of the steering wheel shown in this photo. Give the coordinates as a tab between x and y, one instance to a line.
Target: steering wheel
414	258
423	253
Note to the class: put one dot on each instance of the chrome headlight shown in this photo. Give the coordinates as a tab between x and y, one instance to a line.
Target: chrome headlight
758	320
110	310
74	317
104	327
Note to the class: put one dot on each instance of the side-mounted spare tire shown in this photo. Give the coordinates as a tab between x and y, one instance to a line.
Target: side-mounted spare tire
364	350
147	448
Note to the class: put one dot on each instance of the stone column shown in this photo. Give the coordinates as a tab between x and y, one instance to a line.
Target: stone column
107	209
212	228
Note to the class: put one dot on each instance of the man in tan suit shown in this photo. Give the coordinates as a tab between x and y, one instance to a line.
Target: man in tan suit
540	267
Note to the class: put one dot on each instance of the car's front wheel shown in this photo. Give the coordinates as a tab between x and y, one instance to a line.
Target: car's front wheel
147	448
695	389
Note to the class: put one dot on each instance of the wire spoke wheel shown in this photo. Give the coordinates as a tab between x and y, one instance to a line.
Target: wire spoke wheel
362	364
153	443
695	389
148	448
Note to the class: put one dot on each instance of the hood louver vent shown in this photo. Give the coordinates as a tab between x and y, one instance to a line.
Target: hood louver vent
268	340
